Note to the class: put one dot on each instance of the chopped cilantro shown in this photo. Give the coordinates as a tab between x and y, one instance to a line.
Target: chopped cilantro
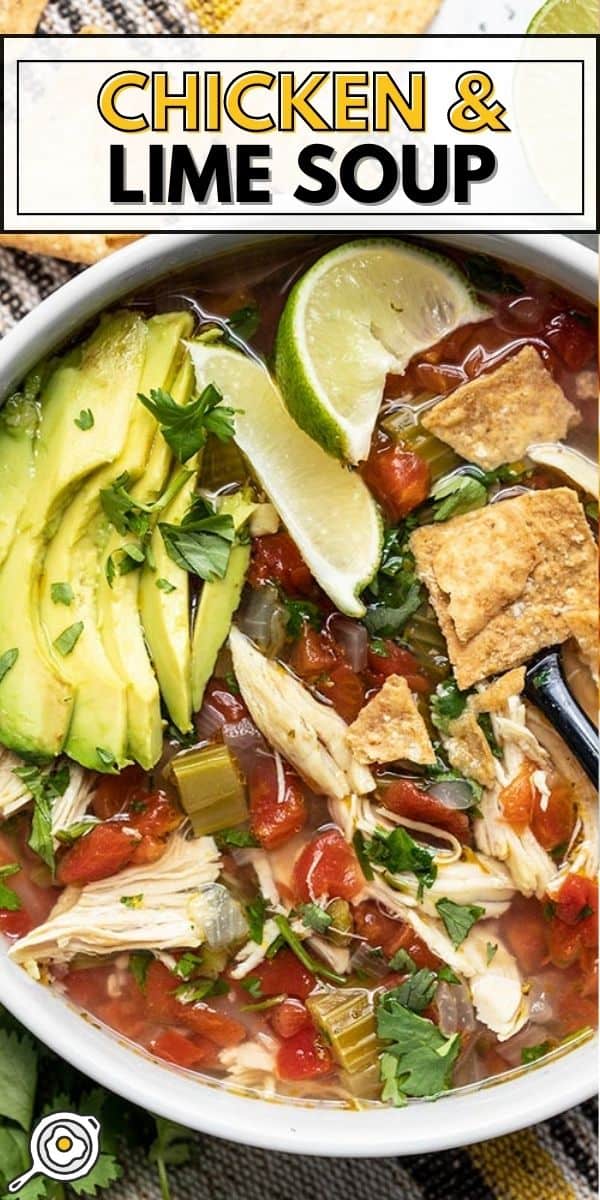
360	850
77	830
458	918
395	593
418	1061
185	427
7	660
402	961
164	585
446	974
9	900
235	837
62	593
417	991
45	786
200	989
447	704
490	950
85	420
256	913
295	944
253	985
397	852
530	1054
300	613
139	962
201	544
186	966
457	494
106	757
67	640
135	901
314	917
245	321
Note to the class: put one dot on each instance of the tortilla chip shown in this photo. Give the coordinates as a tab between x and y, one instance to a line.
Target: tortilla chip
20	16
336	16
584	627
505	552
493	419
84	248
562	581
468	750
390	727
495	697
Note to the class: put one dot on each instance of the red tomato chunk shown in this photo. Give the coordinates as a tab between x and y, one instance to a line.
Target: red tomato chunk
289	1018
398	478
303	1057
284	975
327	866
275	818
276	559
409	800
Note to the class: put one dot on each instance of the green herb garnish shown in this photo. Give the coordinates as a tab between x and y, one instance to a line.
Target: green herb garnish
139	962
300	613
185	427
7	660
62	593
192	993
457	494
202	543
67	640
235	837
164	585
85	420
397	852
447	704
458	918
418	1060
45	786
314	917
395	593
9	900
135	901
256	913
311	964
417	991
530	1054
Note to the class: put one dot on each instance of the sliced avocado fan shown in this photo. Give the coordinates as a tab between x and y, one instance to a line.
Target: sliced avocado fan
99	734
101	377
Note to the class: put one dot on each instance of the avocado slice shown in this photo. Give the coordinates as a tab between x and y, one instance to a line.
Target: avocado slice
219	600
19	421
98	735
118	605
36	694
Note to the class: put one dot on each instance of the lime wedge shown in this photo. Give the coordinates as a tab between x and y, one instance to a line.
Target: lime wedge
325	507
360	312
567	16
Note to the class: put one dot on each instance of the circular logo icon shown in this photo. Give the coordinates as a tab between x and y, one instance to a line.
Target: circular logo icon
63	1146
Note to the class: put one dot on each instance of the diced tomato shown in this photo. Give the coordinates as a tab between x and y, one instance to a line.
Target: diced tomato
230	705
123	1015
176	1047
527	935
576	1009
276	558
15	924
148	850
392	659
314	653
303	1057
107	849
327	866
577	904
390	935
216	1026
85	987
573	337
409	800
346	691
275	818
564	944
398	478
553	825
518	798
284	975
155	815
289	1018
115	793
159	993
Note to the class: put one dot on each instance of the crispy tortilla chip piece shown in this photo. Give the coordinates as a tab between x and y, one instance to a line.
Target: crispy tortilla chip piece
337	16
502	553
584	627
84	248
390	727
496	696
562	581
20	16
468	751
493	419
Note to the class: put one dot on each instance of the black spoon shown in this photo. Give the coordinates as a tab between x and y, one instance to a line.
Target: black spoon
546	687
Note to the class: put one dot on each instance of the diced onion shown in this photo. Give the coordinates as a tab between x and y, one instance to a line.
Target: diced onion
219	915
245	742
209	721
454	793
262	618
353	639
455	1008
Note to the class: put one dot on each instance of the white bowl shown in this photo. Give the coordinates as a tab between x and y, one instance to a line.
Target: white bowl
469	1115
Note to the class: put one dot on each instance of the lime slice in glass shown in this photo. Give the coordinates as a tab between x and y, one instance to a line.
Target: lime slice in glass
567	16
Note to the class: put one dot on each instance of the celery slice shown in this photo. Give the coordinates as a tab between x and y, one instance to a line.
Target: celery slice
424	637
348	1021
439	457
211	789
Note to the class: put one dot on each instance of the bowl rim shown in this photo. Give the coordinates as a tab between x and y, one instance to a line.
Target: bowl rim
467	1116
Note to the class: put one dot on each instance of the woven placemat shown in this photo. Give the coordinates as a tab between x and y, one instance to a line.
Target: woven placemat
554	1161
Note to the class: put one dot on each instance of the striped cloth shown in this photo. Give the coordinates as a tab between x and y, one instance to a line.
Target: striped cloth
554	1161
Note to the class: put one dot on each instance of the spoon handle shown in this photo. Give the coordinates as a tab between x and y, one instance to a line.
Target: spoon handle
546	687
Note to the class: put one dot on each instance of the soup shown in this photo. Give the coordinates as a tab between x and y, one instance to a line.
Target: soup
274	804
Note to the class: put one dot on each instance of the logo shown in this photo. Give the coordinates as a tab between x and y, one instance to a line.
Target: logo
63	1146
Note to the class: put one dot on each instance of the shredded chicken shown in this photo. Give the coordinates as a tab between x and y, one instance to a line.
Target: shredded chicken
530	866
252	1065
307	733
253	953
156	906
66	810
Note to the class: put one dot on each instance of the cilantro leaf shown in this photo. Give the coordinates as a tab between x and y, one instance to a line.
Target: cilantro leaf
457	494
85	420
7	660
74	832
245	321
424	1057
9	899
458	918
18	1077
530	1054
165	586
134	901
397	852
447	974
198	989
447	704
104	1172
253	986
388	1073
314	917
62	593
256	913
45	786
67	640
185	427
201	546
417	991
300	613
187	965
139	963
395	593
235	837
402	961
14	1161
170	1148
490	951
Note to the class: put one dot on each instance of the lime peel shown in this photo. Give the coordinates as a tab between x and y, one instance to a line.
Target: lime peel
326	507
567	16
361	312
